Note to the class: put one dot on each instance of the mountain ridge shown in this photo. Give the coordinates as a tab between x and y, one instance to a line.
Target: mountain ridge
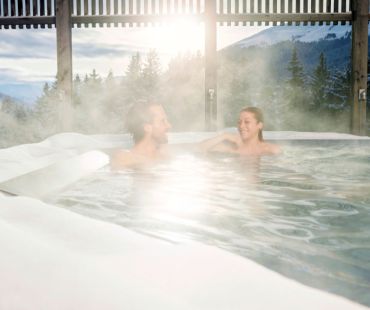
273	48
306	34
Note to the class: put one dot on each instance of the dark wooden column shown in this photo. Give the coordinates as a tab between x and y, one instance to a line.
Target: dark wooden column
210	65
64	60
360	9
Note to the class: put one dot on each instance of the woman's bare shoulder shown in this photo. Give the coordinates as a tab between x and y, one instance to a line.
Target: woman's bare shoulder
272	149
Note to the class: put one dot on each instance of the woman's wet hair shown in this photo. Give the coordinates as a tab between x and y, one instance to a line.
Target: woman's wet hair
137	117
258	115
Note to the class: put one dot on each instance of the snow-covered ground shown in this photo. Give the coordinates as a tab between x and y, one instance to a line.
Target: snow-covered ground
52	258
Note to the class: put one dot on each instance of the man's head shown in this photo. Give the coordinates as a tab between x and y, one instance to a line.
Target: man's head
148	120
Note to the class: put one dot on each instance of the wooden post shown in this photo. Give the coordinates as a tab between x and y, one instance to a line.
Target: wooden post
210	65
359	65
64	60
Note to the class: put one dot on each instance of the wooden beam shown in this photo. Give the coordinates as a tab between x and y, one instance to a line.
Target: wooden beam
255	17
267	9
136	18
309	17
86	7
64	61
359	65
313	8
259	8
221	10
305	9
285	17
274	9
228	9
282	6
244	10
343	9
210	55
36	20
93	7
197	17
115	4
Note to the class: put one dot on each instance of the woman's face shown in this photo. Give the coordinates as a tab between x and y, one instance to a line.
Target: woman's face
248	126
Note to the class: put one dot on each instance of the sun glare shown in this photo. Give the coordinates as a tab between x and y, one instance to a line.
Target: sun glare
180	37
181	193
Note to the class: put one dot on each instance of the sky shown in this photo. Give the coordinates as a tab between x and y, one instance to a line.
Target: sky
28	56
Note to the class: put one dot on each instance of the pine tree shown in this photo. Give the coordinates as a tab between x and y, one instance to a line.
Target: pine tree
296	70
94	78
109	81
184	95
134	69
77	90
92	88
320	85
133	79
77	82
295	96
239	96
54	85
151	74
340	91
45	89
46	110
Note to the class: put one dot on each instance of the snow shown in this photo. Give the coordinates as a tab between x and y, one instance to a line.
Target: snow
21	159
55	259
307	34
52	258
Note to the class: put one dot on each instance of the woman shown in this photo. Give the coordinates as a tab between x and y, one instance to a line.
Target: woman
248	142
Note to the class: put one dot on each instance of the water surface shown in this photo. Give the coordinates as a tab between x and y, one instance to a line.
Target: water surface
304	214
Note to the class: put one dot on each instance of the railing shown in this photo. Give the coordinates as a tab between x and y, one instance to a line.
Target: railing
41	13
27	13
65	14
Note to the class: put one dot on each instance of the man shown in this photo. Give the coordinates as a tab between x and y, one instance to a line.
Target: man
148	124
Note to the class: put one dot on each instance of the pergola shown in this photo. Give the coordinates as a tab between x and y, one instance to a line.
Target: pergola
65	14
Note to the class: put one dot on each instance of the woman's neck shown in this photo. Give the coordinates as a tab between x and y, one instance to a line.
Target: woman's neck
251	142
251	146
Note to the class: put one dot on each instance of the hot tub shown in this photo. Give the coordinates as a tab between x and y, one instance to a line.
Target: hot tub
304	214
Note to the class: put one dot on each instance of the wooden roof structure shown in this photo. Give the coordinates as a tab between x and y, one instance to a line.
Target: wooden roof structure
65	14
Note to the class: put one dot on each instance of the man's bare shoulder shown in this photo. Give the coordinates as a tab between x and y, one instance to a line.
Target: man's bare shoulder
121	159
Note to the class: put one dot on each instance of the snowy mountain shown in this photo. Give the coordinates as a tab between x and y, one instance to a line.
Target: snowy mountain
272	48
12	106
305	34
5	97
22	92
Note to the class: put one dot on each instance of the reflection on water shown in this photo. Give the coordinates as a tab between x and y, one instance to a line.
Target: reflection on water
305	214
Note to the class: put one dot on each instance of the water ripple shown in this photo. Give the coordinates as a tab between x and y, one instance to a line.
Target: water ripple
305	214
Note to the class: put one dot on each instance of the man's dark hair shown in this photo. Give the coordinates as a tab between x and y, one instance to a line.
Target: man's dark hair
137	116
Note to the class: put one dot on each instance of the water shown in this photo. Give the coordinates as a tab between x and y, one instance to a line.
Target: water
305	214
